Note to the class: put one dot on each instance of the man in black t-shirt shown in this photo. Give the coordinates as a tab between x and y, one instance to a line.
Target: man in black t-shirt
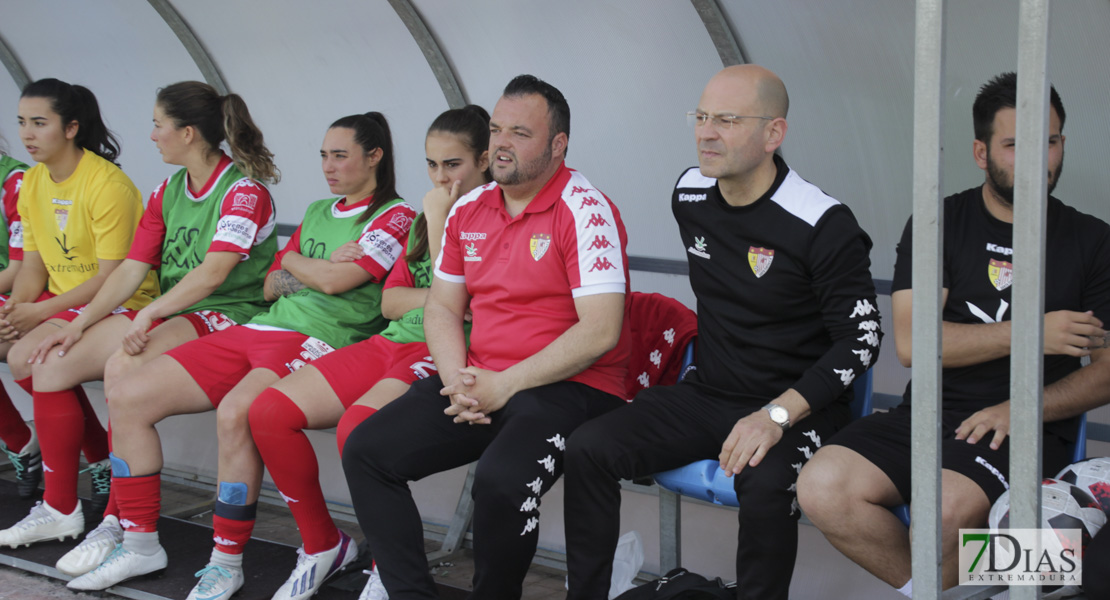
846	489
786	321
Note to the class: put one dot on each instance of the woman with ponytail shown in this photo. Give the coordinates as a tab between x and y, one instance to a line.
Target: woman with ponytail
79	213
17	438
208	233
347	386
324	297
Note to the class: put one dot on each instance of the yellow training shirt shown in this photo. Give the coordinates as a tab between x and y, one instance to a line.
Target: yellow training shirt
91	215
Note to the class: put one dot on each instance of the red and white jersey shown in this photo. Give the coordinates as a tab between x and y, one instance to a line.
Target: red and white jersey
523	273
9	202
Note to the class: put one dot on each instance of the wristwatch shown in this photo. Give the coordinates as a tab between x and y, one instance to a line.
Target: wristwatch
779	415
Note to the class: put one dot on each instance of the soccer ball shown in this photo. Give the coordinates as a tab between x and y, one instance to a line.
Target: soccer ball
1093	475
1063	506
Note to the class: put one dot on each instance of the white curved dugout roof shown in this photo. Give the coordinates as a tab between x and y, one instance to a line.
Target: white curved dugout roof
629	69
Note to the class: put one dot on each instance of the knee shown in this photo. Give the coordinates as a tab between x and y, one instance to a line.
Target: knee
17	359
233	418
823	488
363	450
492	489
962	511
119	365
126	399
273	411
585	446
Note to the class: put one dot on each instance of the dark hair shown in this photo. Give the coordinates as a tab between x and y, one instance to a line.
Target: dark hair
371	132
999	93
471	124
77	103
558	111
216	118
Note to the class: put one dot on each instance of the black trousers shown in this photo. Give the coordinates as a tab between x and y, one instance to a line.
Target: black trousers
666	428
520	455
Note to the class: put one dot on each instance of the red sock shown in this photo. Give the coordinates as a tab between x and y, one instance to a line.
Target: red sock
231	535
13	430
95	445
139	500
60	424
354	416
26	384
277	425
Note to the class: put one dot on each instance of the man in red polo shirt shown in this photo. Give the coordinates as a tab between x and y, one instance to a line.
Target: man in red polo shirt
539	259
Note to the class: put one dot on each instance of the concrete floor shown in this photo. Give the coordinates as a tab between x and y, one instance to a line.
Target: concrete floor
275	524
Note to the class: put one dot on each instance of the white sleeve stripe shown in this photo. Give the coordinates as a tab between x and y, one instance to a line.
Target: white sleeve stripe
694	179
450	278
600	259
803	199
598	288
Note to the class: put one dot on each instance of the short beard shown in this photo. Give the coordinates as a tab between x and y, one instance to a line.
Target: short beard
996	178
527	171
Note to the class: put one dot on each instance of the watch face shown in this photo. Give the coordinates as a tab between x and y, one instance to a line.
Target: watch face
779	414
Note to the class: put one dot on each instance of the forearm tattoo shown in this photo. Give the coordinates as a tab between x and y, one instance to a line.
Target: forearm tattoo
284	284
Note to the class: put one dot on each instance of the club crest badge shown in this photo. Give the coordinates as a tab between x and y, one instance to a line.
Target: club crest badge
1001	274
61	216
759	259
539	244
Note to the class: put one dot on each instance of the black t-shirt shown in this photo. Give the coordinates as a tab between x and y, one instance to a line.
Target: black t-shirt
978	271
785	295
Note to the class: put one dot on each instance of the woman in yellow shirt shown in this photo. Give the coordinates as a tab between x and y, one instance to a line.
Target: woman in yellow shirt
79	214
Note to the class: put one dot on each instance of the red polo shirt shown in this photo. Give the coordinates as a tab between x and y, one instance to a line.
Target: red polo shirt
523	273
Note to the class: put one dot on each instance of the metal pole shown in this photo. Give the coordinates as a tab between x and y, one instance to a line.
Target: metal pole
928	240
1027	320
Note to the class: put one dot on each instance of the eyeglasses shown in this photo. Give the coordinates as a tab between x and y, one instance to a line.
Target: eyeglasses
720	122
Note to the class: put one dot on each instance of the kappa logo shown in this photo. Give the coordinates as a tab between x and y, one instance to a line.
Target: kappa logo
656	358
548	463
597	220
18	184
530	525
539	244
471	253
1001	274
579	190
846	375
535	486
471	236
589	201
999	249
46	468
668	335
530	504
222	541
807	451
287	499
602	264
643	379
127	523
813	437
872	336
692	197
864	356
862	309
600	243
760	259
559	441
698	249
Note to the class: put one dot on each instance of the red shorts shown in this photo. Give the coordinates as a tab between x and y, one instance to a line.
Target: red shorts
219	361
208	321
353	370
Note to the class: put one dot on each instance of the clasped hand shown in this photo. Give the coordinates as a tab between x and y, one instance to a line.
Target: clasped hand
476	393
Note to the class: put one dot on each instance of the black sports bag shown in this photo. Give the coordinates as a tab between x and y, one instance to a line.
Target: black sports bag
681	584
